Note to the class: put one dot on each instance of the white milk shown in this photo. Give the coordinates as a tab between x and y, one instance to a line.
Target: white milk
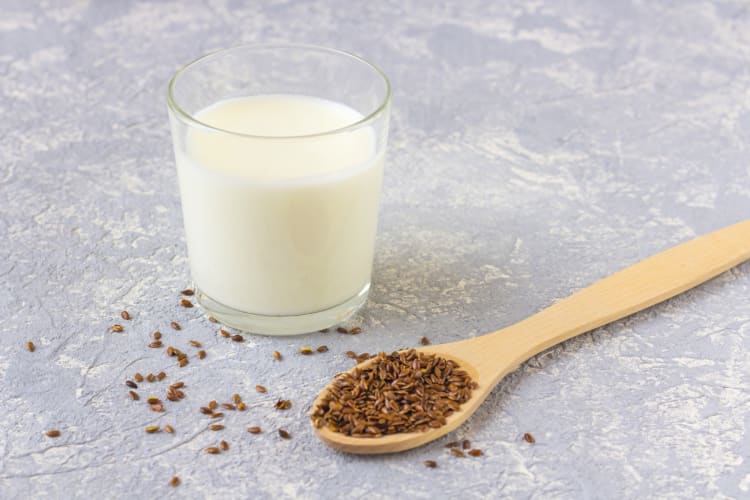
280	225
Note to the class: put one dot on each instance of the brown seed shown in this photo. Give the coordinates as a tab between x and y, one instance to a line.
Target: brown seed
153	401
306	350
53	433
186	303
178	385
236	398
117	328
355	331
241	406
213	404
277	355
341	329
125	315
213	450
238	338
351	354
201	354
323	348
424	341
194	343
452	444
529	438
161	376
216	427
155	344
156	335
476	452
466	444
158	407
217	414
188	292
134	395
138	377
175	325
254	430
151	377
183	362
430	464
152	428
224	445
224	333
206	410
175	481
212	319
168	428
260	388
170	351
228	406
30	346
284	434
283	404
131	384
457	453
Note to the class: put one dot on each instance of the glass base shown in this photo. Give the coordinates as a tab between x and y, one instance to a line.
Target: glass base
282	325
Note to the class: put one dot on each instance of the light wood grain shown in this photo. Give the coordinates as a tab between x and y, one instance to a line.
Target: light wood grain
492	356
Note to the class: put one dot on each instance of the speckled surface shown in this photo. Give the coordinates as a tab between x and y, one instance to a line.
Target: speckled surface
536	146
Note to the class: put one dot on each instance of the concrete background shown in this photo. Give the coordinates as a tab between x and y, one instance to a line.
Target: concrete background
536	147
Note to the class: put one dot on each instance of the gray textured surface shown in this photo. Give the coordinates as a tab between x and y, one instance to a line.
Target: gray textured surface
536	146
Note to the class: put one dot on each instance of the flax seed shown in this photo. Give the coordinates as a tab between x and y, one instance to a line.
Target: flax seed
216	427
224	445
117	328
260	388
277	355
134	395
53	433
30	346
175	325
424	341
228	406
238	338
161	376
213	404
476	452
341	329
201	354
224	333
153	401
217	414
138	377
152	429
306	350
457	453
174	482
131	384
283	404
168	428
452	444
155	344
236	398
156	335
284	434
355	331
323	348
529	438
212	319
194	343
213	450
183	362
151	377
466	444
430	464
206	410
241	406
254	430
125	315
188	292
158	407
186	303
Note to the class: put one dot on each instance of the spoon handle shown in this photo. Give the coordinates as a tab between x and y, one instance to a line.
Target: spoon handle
637	287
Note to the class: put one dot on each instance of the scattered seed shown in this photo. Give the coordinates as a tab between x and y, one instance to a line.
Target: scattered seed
131	384
236	398
153	401
228	406
424	341
155	344
186	303
241	406
206	410
151	377
284	434
183	362
187	292
168	428
355	331
224	333
341	329
306	350
430	464
529	438
213	450
404	391
213	404
452	444
254	430
283	404
238	338
277	355
457	453
125	315
260	388
224	445
117	328
175	325
152	428
138	377
351	354
476	452
30	346
201	354
53	433
161	376
156	335
194	343
174	482
134	395
157	407
212	319
217	414
466	444
216	427
178	385
323	348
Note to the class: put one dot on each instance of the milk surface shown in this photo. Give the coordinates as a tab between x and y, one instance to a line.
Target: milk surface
280	225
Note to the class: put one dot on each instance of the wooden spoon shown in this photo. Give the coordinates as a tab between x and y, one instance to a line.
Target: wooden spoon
490	357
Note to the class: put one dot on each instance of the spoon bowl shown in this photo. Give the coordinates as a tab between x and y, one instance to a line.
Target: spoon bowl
488	358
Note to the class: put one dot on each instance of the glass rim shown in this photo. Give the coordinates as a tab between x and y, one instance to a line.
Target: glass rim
192	120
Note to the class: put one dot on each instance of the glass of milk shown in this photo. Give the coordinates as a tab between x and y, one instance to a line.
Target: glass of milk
279	151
